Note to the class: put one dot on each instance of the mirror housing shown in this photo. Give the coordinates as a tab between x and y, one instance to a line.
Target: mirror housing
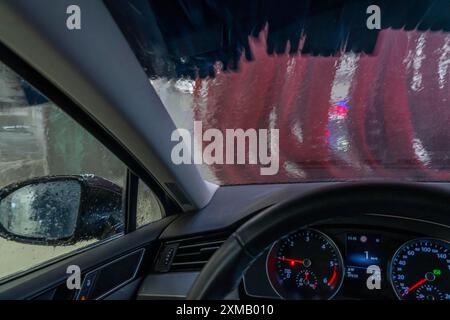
61	210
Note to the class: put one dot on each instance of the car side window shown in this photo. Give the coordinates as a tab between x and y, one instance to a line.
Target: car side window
60	188
149	208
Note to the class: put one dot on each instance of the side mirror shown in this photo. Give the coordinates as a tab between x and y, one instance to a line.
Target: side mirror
60	210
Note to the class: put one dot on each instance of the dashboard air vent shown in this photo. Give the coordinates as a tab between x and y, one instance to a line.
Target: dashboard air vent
189	254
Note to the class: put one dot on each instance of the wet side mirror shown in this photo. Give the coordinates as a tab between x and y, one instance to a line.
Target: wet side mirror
60	210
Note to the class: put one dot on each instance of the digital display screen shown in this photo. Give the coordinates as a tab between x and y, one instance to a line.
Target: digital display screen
363	251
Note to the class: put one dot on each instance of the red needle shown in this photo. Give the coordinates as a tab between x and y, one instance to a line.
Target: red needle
333	277
306	276
292	262
414	286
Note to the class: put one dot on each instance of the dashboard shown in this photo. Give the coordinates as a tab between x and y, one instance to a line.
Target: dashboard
370	259
357	243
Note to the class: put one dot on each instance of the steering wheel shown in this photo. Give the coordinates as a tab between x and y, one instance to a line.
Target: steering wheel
223	273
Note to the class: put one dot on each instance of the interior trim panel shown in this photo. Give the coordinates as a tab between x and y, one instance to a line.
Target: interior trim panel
45	278
173	285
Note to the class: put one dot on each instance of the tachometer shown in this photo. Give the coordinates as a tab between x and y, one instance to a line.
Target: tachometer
420	270
305	265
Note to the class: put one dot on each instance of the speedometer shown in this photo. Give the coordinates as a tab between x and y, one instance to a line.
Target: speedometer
305	265
420	270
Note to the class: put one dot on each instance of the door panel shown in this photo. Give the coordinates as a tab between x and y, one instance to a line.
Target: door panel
42	281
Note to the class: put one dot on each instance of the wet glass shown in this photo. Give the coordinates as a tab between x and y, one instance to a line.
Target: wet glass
37	139
350	103
149	208
343	118
42	211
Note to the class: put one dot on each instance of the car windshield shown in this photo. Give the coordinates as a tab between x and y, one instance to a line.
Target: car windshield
351	100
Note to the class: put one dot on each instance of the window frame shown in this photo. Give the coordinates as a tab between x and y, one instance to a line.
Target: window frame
86	121
134	170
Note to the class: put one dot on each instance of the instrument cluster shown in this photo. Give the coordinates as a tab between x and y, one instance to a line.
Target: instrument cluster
338	262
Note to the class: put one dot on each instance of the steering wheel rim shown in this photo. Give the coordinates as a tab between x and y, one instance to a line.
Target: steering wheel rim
223	272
